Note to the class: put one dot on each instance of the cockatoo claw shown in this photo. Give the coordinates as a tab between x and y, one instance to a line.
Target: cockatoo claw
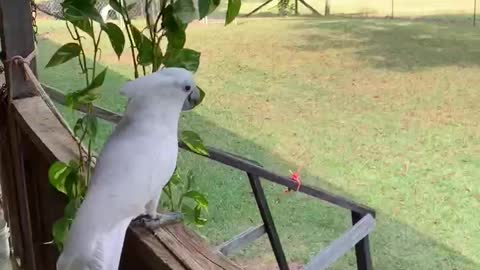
160	219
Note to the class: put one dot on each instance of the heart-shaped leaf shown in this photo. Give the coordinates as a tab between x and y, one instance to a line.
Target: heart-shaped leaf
205	7
87	9
64	53
193	142
57	173
116	5
184	58
76	18
233	9
117	39
184	10
144	46
198	197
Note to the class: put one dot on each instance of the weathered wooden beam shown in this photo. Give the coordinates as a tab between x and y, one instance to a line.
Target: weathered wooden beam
343	244
241	240
17	38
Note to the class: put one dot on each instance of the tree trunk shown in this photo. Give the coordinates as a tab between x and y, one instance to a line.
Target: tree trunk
327	7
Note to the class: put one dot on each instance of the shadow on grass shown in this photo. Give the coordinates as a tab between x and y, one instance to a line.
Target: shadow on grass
305	225
399	44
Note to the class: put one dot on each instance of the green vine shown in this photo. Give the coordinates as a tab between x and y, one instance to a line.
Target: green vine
166	22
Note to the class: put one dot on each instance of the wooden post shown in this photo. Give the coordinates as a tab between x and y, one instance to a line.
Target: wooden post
327	7
17	39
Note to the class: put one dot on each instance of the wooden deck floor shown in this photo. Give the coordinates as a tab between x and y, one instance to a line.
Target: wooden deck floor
180	249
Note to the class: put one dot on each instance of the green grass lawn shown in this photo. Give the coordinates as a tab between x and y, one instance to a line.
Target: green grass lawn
383	111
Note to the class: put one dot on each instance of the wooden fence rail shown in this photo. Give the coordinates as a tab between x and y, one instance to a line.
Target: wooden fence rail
361	214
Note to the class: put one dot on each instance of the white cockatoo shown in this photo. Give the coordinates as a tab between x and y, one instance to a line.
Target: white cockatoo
135	164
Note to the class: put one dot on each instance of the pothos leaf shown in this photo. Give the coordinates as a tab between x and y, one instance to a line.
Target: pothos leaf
117	39
199	220
184	10
175	179
233	9
87	9
193	142
86	95
144	46
174	30
198	197
206	7
116	5
98	80
76	18
71	185
176	40
57	173
64	53
184	58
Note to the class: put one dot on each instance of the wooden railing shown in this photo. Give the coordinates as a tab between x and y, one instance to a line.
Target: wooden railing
362	216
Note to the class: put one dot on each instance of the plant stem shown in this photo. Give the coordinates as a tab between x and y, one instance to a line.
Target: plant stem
80	150
82	51
89	161
151	30
172	207
95	51
128	23
180	202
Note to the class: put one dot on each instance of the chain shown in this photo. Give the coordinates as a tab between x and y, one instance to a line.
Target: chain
34	19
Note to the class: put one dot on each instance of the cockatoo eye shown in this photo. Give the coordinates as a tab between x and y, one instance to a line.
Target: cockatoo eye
187	88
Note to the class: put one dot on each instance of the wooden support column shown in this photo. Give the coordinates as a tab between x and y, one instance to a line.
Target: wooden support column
16	33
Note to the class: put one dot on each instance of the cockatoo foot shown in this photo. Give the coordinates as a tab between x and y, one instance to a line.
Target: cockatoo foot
160	219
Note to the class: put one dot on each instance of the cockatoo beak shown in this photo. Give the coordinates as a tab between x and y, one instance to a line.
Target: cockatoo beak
192	100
